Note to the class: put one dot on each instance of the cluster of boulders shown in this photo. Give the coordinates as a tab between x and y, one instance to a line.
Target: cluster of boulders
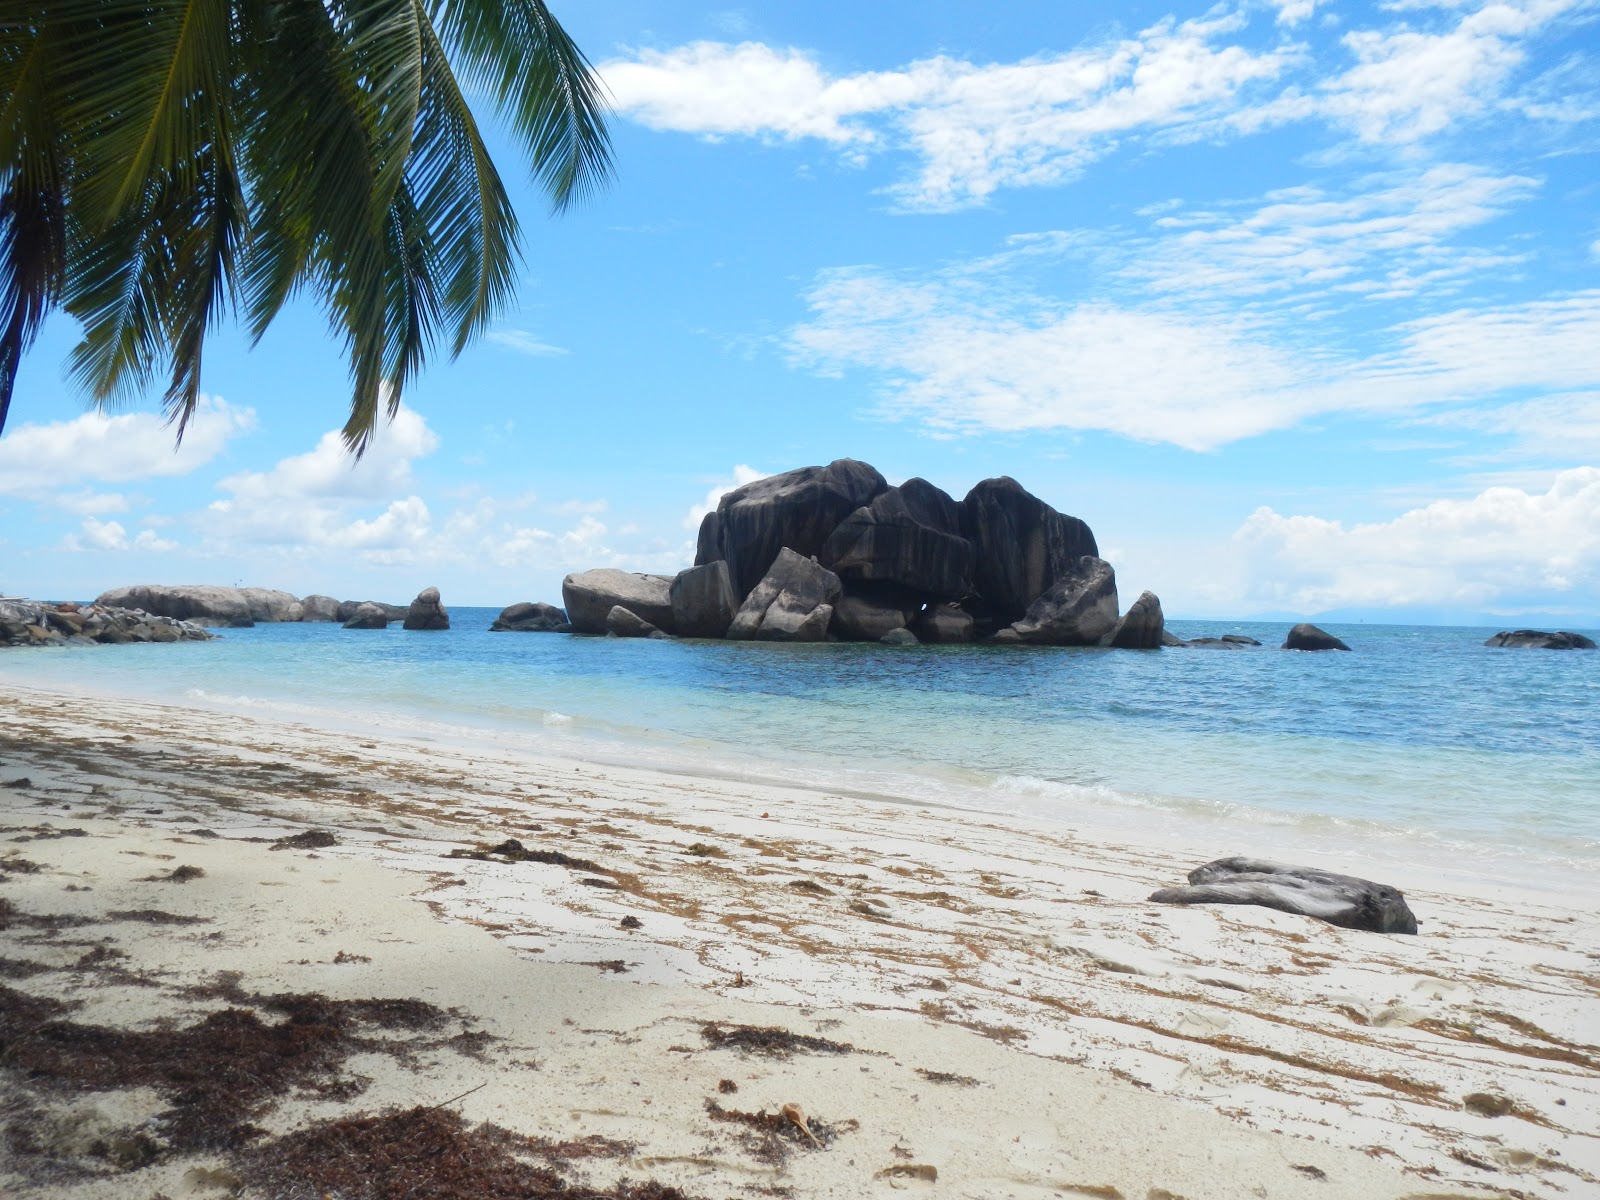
242	607
836	553
31	623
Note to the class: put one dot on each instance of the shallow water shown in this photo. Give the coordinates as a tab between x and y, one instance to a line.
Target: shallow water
1422	740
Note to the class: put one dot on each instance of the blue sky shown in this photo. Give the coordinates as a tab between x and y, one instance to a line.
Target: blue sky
1296	303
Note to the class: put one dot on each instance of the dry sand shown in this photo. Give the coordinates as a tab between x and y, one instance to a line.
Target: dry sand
1020	1021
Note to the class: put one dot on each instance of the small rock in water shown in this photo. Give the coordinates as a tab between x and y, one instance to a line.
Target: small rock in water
1337	899
1308	637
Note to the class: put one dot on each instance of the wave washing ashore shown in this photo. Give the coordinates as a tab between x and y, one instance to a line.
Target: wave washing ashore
974	996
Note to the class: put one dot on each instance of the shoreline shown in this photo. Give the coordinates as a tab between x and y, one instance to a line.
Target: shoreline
1018	943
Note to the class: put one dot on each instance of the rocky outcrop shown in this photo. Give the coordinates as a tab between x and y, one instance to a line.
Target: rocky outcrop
590	595
1141	627
866	615
1078	609
943	625
268	605
349	608
622	623
369	616
1021	548
319	608
1338	899
426	612
1534	639
703	603
202	604
786	604
1308	637
799	510
31	623
908	537
530	617
899	637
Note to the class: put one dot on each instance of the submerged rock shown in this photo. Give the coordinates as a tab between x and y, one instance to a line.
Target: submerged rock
1308	637
392	612
426	612
622	623
591	595
899	637
703	603
1338	899
784	605
530	617
1077	610
1141	627
1534	639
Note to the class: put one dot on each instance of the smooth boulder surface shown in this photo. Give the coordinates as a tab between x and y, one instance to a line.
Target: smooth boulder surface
1022	547
426	613
784	604
270	606
529	617
909	537
899	637
703	603
369	616
1077	610
201	603
1141	626
349	608
1340	900
1305	636
943	625
861	615
319	608
620	622
590	595
1534	639
798	510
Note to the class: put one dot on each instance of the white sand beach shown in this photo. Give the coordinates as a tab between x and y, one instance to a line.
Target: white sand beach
1002	1013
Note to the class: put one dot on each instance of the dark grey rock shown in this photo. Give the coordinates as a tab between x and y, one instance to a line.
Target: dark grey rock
201	603
1021	548
703	603
1213	643
319	608
622	623
798	509
864	614
909	537
943	625
1141	627
1308	637
392	612
369	616
898	637
530	617
782	604
1534	639
1338	899
270	606
1077	610
590	595
426	613
1005	637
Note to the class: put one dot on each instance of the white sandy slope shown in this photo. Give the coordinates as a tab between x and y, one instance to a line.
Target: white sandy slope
1118	1047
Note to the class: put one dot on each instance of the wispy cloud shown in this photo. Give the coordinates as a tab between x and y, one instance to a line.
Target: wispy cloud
524	342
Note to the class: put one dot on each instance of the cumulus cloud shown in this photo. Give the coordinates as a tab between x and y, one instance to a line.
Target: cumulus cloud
330	472
96	448
1504	545
87	503
110	535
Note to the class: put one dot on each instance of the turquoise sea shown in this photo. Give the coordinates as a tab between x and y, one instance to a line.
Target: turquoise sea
1423	745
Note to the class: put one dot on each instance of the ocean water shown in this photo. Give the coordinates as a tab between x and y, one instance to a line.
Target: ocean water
1423	746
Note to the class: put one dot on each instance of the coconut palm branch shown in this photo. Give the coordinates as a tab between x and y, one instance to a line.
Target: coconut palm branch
165	164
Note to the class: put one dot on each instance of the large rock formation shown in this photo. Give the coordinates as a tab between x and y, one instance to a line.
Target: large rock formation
1021	547
1308	637
426	612
319	608
534	617
703	603
1078	609
620	622
943	625
30	623
793	602
798	510
1338	899
349	608
369	616
590	595
1141	627
268	605
908	537
199	603
1534	639
865	614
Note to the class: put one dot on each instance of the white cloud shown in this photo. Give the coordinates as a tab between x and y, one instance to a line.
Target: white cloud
573	507
331	472
87	503
742	474
104	449
110	535
1502	546
524	342
1292	12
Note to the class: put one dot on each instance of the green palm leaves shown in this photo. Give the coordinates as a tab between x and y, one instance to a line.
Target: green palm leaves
164	163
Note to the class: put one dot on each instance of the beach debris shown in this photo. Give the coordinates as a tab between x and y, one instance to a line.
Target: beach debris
607	884
705	850
311	839
777	1132
926	1172
20	782
181	874
1487	1104
769	1040
1342	900
726	1086
1309	1171
155	916
796	1116
947	1077
630	922
810	887
345	957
